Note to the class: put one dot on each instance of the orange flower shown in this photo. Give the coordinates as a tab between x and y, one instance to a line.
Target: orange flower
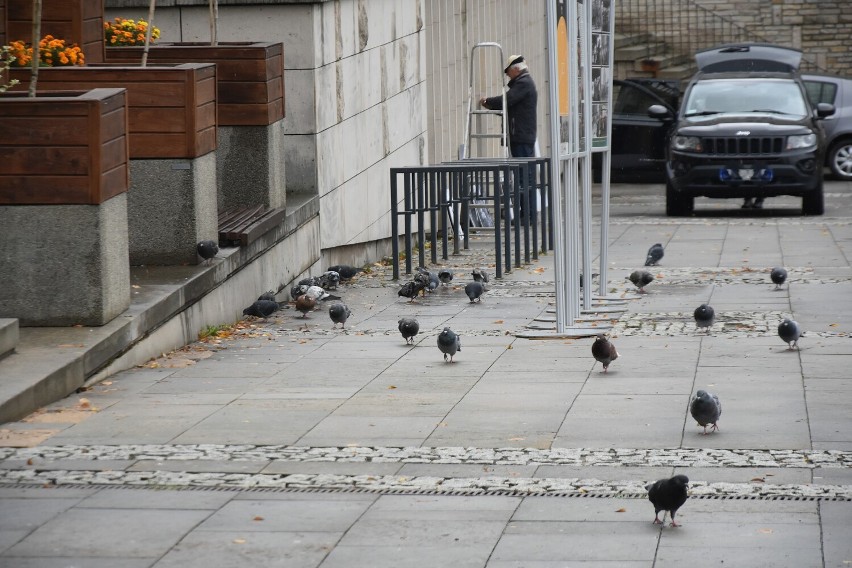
123	31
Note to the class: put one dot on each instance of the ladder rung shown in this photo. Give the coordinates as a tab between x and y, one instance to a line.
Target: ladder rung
486	136
486	112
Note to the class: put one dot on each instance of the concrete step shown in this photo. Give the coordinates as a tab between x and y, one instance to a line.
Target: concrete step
627	40
9	336
639	51
681	72
660	61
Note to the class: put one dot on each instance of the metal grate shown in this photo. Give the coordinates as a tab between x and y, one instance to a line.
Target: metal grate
744	145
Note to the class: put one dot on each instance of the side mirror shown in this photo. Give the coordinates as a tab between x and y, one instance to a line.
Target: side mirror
660	113
824	109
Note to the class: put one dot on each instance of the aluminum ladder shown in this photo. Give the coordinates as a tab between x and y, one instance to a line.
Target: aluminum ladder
470	132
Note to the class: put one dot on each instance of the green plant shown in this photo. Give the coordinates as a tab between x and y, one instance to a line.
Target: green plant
212	331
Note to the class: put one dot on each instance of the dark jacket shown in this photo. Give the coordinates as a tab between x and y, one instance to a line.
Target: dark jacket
521	98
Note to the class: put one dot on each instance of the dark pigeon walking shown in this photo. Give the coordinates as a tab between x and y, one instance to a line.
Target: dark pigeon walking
207	250
668	495
445	275
705	316
706	409
449	343
410	290
655	254
429	279
640	279
339	313
474	291
261	308
790	332
345	271
778	276
604	351
408	327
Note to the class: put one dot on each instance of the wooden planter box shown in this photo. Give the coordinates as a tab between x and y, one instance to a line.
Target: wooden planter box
63	148
249	76
75	21
171	108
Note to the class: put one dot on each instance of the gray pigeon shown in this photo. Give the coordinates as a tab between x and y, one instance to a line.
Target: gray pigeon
704	317
339	313
789	332
429	279
668	495
345	271
640	279
320	295
480	275
329	280
449	343
207	250
706	409
474	291
408	327
411	289
778	276
604	351
655	254
445	275
261	308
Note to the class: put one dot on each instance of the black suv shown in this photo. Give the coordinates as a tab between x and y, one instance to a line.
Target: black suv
745	128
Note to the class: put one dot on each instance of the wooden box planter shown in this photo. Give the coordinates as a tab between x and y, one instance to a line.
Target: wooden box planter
63	148
171	108
75	21
249	76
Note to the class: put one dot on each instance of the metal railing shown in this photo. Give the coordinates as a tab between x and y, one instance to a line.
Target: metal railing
510	197
684	27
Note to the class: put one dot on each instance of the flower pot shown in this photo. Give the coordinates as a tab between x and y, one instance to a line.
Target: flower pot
249	75
75	21
63	147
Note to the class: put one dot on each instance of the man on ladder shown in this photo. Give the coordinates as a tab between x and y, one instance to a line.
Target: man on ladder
521	101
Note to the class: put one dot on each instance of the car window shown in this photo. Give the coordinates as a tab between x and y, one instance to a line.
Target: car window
745	96
821	92
632	101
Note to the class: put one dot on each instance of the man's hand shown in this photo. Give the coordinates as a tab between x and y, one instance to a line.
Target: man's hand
482	102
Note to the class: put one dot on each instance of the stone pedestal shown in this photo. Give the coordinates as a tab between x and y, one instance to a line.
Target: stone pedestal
171	206
64	264
250	166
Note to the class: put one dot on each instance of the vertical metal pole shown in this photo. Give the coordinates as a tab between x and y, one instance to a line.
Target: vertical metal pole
556	205
432	193
586	160
572	217
421	232
606	163
394	224
407	205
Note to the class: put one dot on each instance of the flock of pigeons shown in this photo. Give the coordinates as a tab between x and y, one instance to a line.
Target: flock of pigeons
666	495
669	495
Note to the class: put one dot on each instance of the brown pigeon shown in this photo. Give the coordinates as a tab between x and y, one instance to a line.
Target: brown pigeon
305	303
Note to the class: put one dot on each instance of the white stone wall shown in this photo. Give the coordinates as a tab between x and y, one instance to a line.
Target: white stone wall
355	99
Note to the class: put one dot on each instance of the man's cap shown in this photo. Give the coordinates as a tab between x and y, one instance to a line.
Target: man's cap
512	60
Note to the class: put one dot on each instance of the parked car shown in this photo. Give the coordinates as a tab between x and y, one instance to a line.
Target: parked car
838	127
745	129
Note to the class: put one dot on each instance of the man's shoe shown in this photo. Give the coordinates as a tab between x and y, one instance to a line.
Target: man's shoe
758	203
747	203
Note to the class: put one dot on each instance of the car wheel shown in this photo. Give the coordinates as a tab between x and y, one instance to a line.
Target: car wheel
813	203
840	160
677	205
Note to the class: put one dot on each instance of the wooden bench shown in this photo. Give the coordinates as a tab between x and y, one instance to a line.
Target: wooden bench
239	226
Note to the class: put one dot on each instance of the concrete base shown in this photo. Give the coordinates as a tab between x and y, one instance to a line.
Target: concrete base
9	335
171	206
250	166
65	264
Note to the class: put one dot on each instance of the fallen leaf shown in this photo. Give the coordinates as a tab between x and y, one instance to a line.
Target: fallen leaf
239	541
758	479
622	510
258	518
765	531
833	325
72	345
498	321
30	461
392	387
509	346
85	403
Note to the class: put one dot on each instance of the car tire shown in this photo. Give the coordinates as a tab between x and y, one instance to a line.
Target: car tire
840	159
813	203
677	205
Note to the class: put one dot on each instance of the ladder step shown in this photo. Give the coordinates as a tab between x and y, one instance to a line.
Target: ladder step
486	136
486	112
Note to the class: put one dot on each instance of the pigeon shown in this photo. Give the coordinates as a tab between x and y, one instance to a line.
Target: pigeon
345	271
207	250
329	280
298	290
410	290
408	327
430	281
778	276
704	317
474	291
480	275
706	409
309	281
640	279
655	254
305	303
445	275
320	295
268	296
339	313
667	495
449	343
261	308
594	275
604	351
789	332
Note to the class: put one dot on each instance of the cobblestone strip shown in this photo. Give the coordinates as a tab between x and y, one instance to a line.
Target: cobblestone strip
677	457
733	323
426	484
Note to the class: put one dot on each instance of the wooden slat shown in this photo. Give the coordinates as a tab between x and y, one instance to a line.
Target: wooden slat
262	225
